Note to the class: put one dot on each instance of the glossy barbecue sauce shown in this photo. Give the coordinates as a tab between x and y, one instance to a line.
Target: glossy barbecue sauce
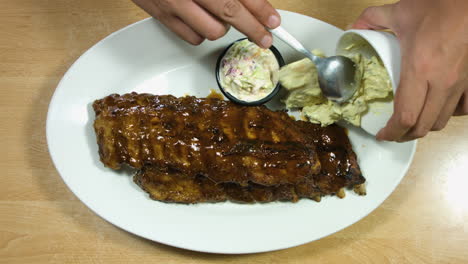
215	95
339	167
223	141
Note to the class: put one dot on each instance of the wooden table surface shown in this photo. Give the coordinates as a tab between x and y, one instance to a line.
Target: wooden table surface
424	221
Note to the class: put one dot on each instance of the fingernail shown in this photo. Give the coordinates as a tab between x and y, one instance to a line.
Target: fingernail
266	41
273	21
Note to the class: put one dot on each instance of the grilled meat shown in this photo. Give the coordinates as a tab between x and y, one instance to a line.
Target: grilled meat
339	170
172	186
191	150
214	138
339	166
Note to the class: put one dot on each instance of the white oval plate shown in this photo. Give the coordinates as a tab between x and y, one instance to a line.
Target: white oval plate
145	57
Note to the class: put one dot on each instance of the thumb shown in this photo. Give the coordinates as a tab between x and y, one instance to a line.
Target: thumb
375	17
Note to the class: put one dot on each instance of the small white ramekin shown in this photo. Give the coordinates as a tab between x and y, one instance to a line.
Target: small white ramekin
386	46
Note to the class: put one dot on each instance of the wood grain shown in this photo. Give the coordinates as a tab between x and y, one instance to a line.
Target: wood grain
424	221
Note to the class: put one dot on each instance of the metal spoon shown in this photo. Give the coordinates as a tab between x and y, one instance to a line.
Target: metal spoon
338	76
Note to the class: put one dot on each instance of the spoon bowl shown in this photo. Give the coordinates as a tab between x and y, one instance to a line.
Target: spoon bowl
338	76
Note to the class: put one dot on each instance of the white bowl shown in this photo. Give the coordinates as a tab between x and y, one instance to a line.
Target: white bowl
386	46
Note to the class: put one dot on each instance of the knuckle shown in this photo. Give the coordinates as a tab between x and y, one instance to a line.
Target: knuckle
164	4
424	59
163	16
407	119
424	64
256	4
231	8
259	31
452	79
260	8
444	91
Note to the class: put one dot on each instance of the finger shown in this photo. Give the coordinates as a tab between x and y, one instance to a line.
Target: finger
264	12
462	107
182	30
448	110
200	20
234	13
170	21
435	100
375	17
408	104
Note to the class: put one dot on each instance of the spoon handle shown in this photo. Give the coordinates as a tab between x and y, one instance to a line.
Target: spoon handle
287	38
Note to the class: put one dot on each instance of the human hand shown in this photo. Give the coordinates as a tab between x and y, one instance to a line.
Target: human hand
433	36
197	20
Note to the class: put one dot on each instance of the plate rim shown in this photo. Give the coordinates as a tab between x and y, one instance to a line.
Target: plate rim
60	87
